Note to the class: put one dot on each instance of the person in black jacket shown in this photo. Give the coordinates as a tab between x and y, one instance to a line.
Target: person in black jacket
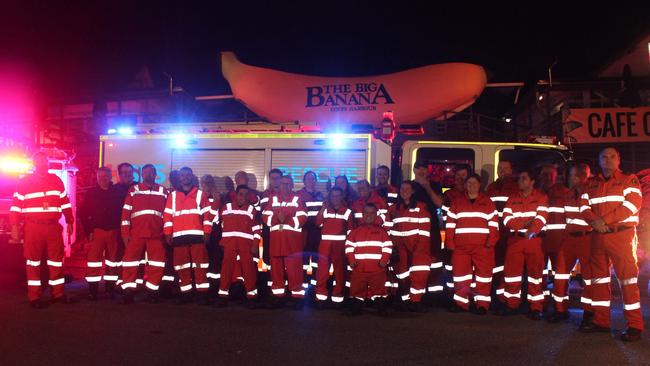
100	217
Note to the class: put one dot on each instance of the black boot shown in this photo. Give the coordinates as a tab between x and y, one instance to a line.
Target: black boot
110	289
221	302
355	308
416	307
631	335
400	306
535	315
92	291
251	304
506	311
587	317
558	316
204	299
593	328
37	304
153	297
65	299
184	298
455	308
382	308
274	302
129	297
299	304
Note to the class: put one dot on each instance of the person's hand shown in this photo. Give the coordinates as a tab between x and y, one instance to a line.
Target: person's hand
125	240
423	181
70	229
600	226
206	237
168	239
281	216
91	237
354	265
15	234
255	250
530	234
528	223
381	264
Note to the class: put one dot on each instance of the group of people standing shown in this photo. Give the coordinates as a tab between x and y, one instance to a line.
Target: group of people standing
379	244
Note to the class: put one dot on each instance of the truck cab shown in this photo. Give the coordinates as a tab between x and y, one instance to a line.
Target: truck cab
443	156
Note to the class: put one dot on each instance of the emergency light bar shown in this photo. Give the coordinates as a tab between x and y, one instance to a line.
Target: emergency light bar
15	165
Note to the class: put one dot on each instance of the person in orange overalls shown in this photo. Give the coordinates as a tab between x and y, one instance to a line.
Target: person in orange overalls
100	218
313	200
240	239
39	200
499	191
368	249
142	232
611	206
525	215
457	192
187	226
555	233
576	246
335	220
285	215
410	231
472	230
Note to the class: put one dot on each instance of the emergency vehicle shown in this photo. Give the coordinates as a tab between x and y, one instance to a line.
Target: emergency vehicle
224	149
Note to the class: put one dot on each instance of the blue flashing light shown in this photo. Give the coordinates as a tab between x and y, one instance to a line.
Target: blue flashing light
125	131
181	141
111	131
336	141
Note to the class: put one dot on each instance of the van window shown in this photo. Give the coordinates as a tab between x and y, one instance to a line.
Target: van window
442	161
534	158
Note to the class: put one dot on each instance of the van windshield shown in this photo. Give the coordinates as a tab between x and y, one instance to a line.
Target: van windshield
442	162
535	158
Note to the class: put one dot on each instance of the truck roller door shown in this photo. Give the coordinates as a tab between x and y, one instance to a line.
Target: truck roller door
325	163
223	164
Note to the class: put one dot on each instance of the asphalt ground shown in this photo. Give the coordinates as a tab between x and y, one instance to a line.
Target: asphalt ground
109	333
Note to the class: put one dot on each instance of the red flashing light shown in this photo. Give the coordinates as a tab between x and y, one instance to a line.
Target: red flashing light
388	126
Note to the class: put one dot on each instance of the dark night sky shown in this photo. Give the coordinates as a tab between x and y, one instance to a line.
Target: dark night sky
75	48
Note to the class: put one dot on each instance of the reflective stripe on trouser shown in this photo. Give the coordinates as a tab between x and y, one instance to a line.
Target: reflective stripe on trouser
498	285
573	249
368	285
215	255
103	252
436	277
43	239
311	237
189	258
551	245
523	252
330	252
233	247
414	260
619	248
463	259
291	267
134	253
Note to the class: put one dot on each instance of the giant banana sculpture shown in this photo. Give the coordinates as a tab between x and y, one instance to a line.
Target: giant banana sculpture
414	95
